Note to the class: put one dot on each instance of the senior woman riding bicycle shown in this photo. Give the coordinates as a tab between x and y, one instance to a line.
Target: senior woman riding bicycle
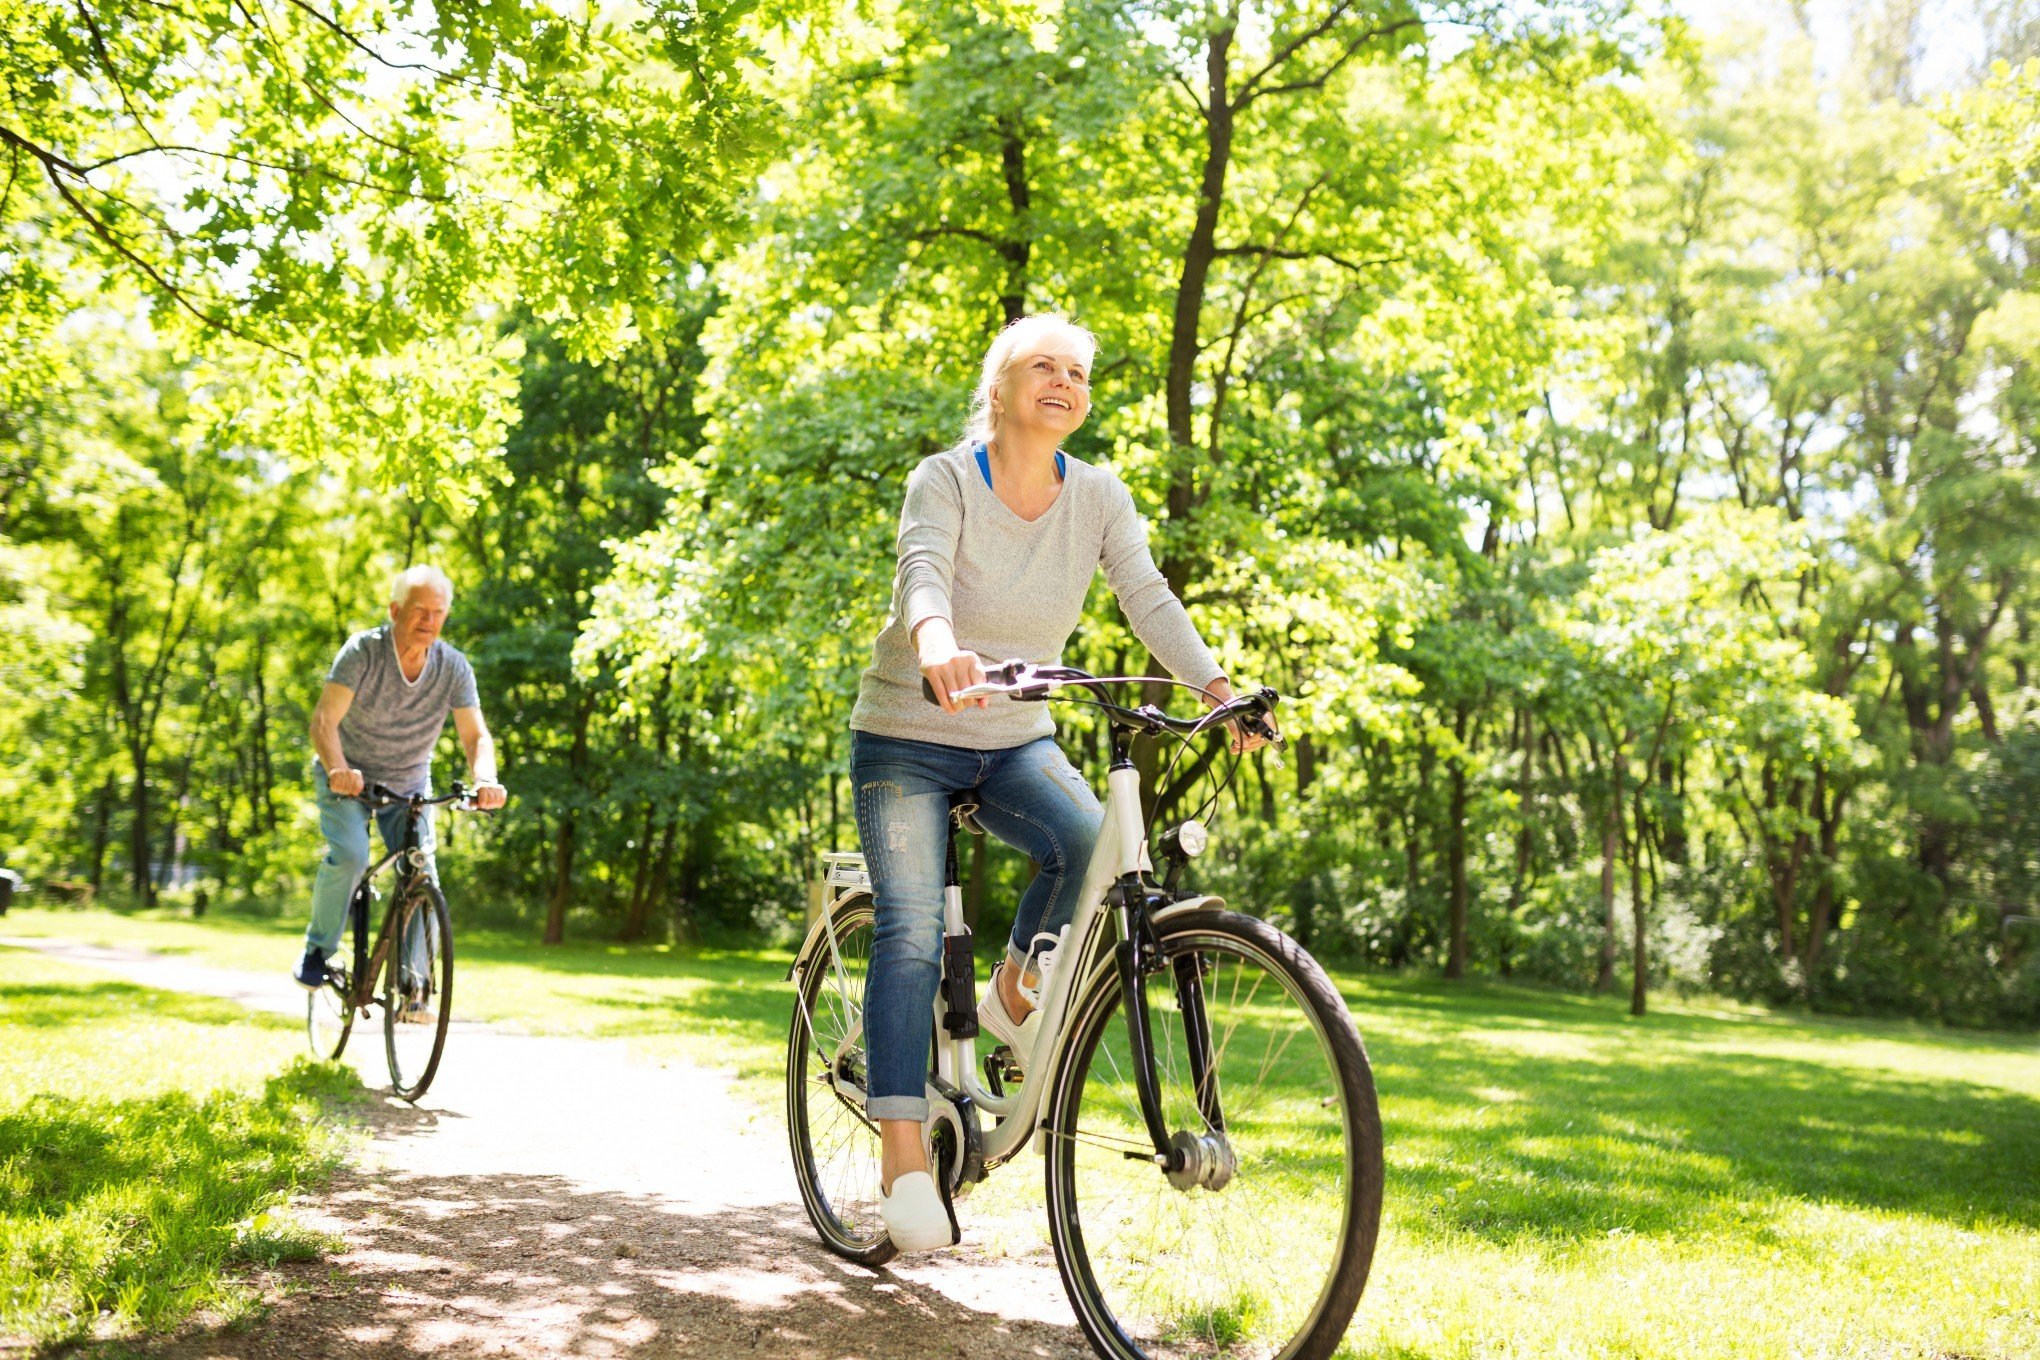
1000	537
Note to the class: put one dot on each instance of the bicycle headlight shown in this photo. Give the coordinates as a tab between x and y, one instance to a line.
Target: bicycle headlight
1191	838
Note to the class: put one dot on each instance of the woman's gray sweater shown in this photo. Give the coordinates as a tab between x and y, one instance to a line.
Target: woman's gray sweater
1012	589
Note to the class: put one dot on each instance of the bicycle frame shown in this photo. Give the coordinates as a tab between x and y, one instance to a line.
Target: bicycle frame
410	858
1115	871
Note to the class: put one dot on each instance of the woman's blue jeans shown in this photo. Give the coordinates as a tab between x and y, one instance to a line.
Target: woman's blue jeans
1030	797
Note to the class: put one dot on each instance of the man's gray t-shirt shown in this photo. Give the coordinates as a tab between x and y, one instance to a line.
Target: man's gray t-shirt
393	724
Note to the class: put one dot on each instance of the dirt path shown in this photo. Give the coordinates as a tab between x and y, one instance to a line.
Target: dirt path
549	1197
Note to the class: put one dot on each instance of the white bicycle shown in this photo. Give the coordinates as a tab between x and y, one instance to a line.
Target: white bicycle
1199	1093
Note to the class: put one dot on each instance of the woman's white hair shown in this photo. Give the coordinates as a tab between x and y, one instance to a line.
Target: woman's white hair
410	578
1015	340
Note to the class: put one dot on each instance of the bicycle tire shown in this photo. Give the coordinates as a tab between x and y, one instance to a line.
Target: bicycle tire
835	1147
414	1047
329	1018
329	1009
1135	1267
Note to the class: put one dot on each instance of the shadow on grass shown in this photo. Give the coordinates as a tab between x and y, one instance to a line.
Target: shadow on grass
1642	1129
534	1265
55	1005
760	1014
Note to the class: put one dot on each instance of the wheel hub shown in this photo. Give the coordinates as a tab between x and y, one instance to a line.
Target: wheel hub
1201	1160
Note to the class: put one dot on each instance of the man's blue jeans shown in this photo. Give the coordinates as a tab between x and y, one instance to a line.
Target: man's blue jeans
345	822
1030	797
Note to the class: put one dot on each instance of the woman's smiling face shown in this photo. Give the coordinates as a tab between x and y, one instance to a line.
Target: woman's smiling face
1047	388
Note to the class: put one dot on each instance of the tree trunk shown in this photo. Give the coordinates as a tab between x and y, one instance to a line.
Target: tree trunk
102	832
1829	809
1455	854
662	875
563	880
263	784
1611	837
1198	253
138	829
690	872
1639	986
1519	879
564	838
1017	248
1200	249
640	879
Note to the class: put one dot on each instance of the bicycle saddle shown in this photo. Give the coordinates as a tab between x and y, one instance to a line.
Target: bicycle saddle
963	806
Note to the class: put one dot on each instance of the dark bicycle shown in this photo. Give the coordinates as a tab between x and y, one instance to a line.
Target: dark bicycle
409	970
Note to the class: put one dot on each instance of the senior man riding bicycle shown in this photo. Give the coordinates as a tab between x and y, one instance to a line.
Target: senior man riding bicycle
387	697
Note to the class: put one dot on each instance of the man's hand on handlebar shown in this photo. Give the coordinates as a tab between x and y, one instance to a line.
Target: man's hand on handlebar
346	783
489	795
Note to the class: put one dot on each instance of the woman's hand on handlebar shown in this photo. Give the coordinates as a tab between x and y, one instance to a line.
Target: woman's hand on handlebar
1219	692
947	667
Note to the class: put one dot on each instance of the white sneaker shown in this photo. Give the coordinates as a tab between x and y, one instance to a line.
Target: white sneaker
1017	1035
913	1214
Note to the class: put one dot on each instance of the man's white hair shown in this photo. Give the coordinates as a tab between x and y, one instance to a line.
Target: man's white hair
410	578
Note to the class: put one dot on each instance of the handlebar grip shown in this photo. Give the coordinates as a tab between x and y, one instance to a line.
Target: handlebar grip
1256	722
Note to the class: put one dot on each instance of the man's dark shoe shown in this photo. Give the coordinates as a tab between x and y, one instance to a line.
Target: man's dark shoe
311	969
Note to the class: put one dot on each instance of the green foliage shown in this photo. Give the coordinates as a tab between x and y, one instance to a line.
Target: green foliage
1617	446
144	1153
334	202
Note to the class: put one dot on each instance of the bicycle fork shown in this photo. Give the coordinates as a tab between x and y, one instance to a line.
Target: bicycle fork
1188	1157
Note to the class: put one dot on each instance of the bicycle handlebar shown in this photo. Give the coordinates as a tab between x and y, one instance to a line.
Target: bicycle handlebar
376	796
1021	680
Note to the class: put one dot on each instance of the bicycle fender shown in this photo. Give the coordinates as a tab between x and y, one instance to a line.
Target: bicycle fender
1205	902
817	937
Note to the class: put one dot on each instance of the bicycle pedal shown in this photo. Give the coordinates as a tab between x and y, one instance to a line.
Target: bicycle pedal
1002	1068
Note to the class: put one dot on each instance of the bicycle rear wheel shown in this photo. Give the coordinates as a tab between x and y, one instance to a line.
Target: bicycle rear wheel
417	990
1261	1244
835	1148
329	1010
329	1019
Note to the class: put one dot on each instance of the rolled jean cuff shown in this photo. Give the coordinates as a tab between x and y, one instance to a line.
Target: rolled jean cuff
897	1107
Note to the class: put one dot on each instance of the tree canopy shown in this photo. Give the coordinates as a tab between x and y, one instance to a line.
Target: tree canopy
1616	442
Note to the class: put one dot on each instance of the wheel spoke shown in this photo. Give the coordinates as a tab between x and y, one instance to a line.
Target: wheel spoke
835	1144
416	992
1269	1258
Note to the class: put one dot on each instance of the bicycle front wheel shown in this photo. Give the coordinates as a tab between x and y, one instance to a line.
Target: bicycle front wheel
417	990
835	1147
1258	1242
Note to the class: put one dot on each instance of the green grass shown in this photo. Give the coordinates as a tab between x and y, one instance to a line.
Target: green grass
724	1008
1710	1181
147	1140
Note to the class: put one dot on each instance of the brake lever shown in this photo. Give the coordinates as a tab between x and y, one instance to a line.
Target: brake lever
1256	723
